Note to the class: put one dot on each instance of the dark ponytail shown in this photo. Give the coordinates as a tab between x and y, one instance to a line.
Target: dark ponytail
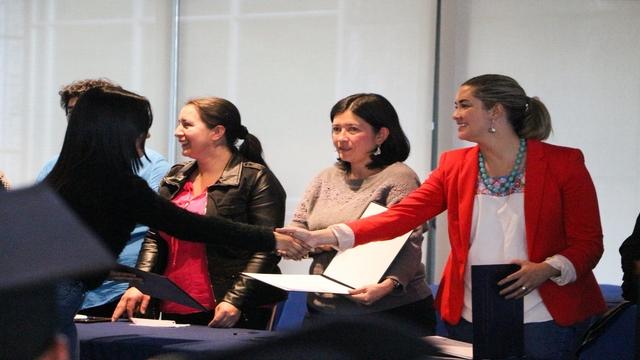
536	123
251	149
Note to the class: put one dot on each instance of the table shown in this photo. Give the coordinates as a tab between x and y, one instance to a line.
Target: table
121	340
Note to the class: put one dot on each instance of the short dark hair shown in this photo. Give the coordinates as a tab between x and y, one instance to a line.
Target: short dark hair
79	87
378	112
102	135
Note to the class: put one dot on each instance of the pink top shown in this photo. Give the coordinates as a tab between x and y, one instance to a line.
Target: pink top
187	261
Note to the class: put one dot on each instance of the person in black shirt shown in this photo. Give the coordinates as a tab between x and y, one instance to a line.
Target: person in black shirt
630	259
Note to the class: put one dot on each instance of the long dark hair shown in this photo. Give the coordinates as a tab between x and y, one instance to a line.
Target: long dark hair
528	116
216	111
378	112
102	138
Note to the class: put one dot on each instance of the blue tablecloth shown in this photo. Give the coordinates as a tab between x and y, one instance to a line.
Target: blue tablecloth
343	339
121	340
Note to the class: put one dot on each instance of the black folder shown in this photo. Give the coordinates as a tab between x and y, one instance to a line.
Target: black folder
498	329
38	228
154	285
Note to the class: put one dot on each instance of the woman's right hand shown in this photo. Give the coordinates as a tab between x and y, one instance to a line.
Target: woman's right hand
290	247
313	239
132	300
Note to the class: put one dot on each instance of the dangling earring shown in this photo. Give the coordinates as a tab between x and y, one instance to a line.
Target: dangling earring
377	151
492	130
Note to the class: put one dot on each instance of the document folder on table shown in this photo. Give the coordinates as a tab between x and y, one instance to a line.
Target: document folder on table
498	328
349	269
451	348
154	285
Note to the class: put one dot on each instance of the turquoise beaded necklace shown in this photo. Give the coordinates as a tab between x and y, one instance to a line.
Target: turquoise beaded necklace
505	187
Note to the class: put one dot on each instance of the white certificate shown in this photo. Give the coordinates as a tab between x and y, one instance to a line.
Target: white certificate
305	283
349	269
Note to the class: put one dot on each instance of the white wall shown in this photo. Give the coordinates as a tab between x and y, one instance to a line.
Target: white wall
47	44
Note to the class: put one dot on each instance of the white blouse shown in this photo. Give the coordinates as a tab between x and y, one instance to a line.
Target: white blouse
498	237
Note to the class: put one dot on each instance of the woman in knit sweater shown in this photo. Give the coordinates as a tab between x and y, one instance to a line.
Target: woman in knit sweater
371	146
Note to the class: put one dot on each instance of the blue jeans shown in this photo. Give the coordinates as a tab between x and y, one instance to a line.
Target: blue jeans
542	340
69	297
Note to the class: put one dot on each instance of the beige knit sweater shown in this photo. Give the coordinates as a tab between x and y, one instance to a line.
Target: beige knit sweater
331	198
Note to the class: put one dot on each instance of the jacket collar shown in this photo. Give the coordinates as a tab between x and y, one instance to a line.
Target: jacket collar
467	187
230	175
232	172
535	176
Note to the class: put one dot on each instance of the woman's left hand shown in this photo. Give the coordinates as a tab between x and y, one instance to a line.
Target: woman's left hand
368	295
529	277
225	316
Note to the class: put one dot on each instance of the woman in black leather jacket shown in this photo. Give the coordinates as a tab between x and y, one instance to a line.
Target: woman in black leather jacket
223	180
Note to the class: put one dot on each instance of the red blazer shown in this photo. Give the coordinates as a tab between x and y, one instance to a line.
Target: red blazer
561	217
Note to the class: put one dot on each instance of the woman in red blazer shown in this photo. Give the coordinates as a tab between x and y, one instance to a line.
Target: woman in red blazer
509	199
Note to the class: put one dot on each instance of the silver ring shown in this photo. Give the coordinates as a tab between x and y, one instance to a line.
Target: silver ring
524	288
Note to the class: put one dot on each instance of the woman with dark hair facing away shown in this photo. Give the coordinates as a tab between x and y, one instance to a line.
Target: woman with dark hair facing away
371	148
95	175
510	199
221	180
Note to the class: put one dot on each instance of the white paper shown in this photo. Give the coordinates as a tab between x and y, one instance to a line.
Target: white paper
306	283
365	264
459	349
155	323
355	267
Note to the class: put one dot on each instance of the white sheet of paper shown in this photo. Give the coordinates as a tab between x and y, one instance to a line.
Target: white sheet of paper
306	283
155	323
365	264
459	349
356	267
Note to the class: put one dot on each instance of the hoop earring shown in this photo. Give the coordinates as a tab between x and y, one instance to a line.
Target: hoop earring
377	151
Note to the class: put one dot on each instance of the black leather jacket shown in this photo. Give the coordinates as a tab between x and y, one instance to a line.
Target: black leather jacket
246	192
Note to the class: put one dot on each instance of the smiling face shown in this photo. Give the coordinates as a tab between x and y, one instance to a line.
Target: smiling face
192	133
354	139
470	115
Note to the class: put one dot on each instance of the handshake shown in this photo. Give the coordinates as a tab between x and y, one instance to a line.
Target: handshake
296	243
